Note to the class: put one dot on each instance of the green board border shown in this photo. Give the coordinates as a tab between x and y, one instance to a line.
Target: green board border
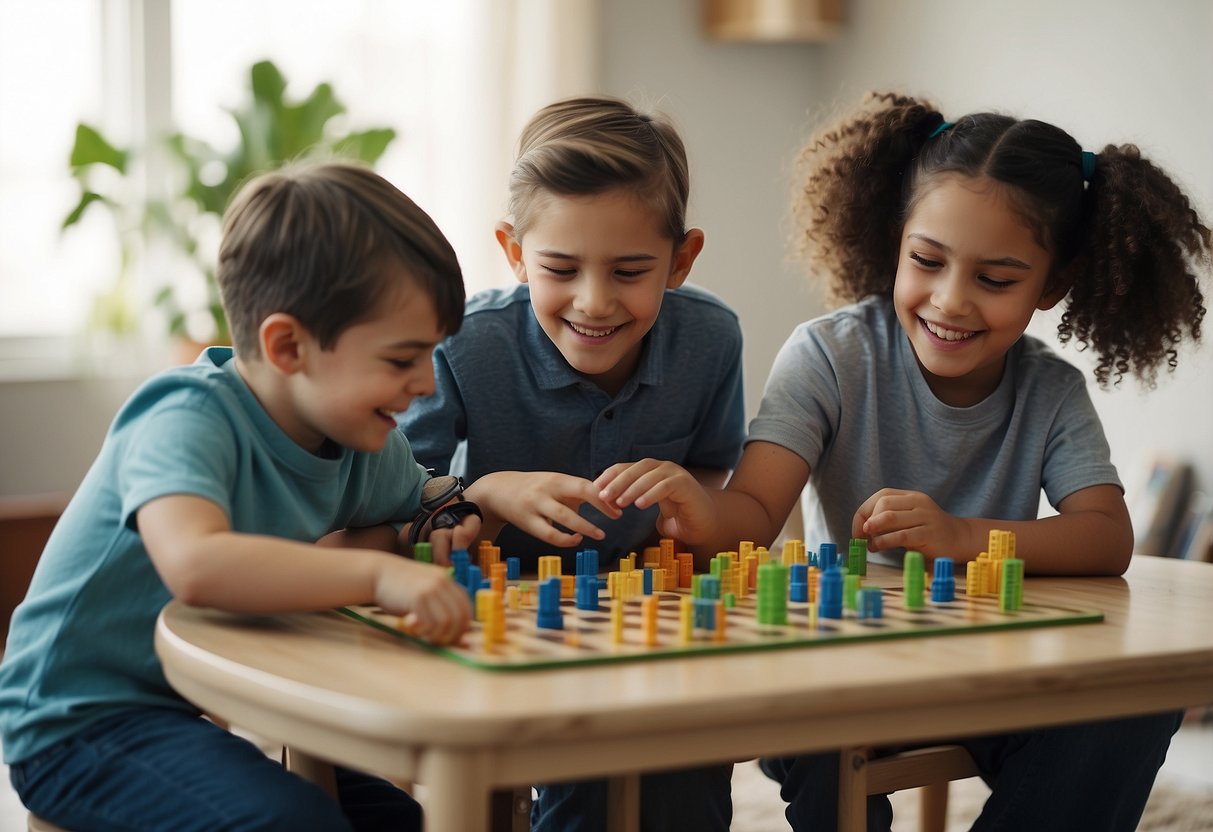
1054	617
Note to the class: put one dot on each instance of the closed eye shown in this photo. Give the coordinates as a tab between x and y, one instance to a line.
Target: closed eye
559	272
631	273
924	262
995	283
402	363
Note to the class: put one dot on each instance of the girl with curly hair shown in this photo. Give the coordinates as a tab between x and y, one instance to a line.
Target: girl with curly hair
923	417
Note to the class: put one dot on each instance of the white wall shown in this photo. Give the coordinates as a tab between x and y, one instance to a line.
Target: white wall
1105	70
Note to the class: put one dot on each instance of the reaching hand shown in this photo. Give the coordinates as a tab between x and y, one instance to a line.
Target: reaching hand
534	501
687	512
892	518
434	607
461	536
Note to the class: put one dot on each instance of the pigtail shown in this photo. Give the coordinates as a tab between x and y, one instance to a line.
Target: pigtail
850	199
1136	291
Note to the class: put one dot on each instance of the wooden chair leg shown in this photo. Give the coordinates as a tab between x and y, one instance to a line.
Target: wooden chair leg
853	790
933	807
312	769
623	803
510	810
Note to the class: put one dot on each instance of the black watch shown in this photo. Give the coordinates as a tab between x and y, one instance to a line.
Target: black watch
437	507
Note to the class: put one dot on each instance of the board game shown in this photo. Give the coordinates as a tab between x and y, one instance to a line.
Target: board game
586	635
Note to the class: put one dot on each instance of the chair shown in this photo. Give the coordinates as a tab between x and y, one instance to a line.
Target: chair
860	775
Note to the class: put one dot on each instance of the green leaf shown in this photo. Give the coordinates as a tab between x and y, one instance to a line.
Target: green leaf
268	84
367	145
86	199
91	148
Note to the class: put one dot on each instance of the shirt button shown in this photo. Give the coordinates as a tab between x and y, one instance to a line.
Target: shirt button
610	414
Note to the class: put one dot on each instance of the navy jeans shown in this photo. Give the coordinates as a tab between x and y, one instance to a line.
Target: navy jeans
695	800
161	769
1095	776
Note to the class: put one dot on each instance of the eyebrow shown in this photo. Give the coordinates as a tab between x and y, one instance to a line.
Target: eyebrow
1013	262
624	258
411	345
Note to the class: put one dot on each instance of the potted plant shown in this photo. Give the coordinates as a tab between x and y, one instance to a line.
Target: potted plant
182	222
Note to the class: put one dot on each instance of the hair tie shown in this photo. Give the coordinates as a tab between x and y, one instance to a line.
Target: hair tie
943	126
1088	166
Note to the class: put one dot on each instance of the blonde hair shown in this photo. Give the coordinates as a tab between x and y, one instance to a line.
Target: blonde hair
588	146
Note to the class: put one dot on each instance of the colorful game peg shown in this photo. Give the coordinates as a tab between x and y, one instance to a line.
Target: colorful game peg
829	590
857	556
549	616
871	602
913	580
423	551
943	585
1010	593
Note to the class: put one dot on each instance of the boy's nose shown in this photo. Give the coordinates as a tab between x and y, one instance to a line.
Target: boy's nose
595	298
423	382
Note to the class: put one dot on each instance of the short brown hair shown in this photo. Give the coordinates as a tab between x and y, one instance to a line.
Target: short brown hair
588	146
320	241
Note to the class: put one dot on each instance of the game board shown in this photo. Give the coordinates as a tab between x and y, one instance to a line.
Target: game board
586	635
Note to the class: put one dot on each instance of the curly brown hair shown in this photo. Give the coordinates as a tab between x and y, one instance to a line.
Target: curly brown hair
1126	239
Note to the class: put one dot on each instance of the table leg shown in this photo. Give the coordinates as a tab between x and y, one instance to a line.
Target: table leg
457	787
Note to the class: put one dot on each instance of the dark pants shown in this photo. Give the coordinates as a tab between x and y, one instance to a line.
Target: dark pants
1095	776
696	800
160	769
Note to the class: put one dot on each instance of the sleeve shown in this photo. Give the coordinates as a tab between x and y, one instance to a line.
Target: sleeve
179	450
435	425
718	441
1077	454
802	402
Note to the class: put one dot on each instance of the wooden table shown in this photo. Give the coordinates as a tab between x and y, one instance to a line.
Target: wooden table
344	692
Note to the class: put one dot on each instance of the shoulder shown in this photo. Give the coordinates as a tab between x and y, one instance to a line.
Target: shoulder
1037	363
693	309
491	315
871	323
201	386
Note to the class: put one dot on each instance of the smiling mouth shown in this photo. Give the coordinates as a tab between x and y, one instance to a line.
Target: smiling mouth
945	334
388	414
592	333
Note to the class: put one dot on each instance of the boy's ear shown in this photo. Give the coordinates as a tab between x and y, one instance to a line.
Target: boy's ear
512	248
284	342
684	258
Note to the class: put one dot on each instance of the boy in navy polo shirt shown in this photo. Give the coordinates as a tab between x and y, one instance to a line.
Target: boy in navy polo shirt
601	355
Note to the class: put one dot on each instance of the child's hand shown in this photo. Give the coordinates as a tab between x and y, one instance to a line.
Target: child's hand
434	607
686	510
461	536
892	518
535	500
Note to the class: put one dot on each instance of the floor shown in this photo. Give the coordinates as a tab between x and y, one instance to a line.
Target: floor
1188	769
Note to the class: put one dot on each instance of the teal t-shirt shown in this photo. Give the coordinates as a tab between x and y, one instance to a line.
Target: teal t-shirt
80	644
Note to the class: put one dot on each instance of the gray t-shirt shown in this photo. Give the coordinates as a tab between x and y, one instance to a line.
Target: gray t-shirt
847	395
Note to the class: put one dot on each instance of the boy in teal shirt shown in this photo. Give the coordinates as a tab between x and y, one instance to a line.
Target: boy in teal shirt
213	486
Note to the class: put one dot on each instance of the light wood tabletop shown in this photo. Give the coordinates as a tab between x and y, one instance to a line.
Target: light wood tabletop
345	692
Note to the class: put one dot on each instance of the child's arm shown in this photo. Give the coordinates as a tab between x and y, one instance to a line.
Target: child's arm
534	500
753	506
204	563
1091	535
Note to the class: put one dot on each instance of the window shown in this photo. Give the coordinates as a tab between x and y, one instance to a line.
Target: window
449	77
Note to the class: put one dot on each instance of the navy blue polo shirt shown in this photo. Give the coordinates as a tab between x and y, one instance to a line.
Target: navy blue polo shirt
506	400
